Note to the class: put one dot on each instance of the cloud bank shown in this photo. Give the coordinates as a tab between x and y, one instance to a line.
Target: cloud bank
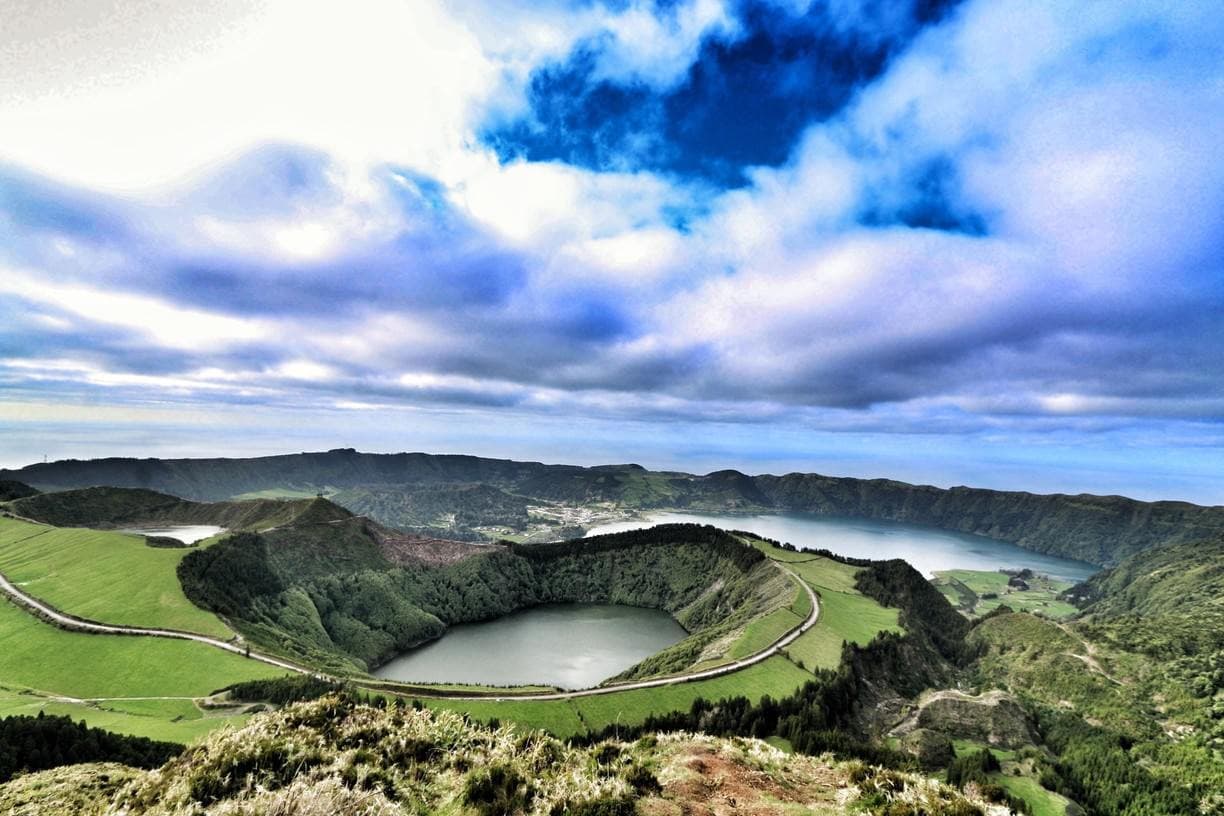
994	219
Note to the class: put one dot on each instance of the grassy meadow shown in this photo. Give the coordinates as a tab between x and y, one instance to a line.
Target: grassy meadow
846	615
1016	775
968	590
104	576
42	665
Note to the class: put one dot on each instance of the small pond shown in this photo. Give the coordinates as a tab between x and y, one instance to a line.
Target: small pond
186	533
567	645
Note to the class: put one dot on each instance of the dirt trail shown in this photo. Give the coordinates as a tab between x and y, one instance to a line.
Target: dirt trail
1089	659
50	613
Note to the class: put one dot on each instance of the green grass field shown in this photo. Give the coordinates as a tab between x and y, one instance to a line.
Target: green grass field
776	677
1041	801
825	573
169	720
41	662
761	633
104	576
558	717
843	617
965	589
845	613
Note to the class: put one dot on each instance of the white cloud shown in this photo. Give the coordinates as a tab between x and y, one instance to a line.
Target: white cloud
375	81
162	322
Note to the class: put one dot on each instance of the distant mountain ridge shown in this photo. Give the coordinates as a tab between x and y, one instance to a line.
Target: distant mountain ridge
1099	529
107	507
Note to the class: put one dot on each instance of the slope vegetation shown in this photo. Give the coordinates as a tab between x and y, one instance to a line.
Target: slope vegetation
1130	697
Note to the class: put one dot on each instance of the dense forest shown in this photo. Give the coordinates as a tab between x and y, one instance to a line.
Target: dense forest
10	490
36	743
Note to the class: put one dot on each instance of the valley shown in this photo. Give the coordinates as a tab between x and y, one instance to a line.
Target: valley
451	496
800	638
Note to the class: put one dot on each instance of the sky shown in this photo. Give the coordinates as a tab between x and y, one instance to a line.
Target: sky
972	242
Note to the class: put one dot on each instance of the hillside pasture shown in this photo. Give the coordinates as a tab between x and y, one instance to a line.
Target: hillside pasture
45	668
103	576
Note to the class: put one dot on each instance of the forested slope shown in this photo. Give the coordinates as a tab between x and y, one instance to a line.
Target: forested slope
1131	696
282	591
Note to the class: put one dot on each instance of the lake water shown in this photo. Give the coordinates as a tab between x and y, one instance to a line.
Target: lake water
186	533
567	645
928	549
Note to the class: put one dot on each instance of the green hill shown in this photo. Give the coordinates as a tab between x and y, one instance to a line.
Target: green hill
109	507
10	490
446	509
1130	697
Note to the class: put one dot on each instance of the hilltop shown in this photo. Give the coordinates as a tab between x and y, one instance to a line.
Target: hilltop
10	490
454	496
331	756
110	507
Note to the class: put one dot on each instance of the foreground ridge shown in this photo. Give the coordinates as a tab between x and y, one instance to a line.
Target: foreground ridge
331	756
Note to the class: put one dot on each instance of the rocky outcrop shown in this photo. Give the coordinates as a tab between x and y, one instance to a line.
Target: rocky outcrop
994	718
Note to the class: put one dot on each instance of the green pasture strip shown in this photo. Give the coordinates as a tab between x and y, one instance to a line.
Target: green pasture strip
845	613
104	576
802	606
277	493
825	573
781	743
843	617
763	632
558	717
407	689
159	720
777	677
39	656
1042	801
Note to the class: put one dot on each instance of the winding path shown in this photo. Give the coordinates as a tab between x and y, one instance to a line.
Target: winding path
71	622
